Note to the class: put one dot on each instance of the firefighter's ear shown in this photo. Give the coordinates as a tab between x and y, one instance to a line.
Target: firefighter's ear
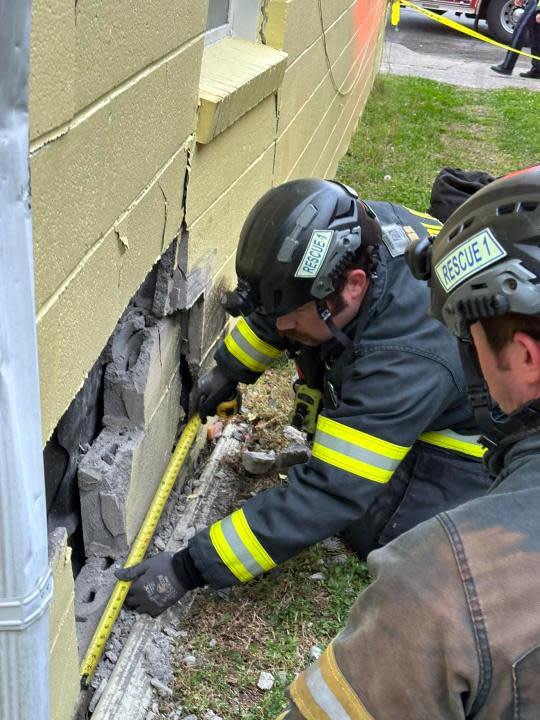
355	285
524	353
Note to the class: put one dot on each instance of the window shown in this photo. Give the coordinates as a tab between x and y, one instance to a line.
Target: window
232	17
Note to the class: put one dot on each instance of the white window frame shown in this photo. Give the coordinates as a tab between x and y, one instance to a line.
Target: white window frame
243	22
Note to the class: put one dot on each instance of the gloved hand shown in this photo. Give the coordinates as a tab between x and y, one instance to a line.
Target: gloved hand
212	388
156	586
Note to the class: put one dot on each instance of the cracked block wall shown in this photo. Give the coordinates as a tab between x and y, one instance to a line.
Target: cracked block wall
148	148
113	111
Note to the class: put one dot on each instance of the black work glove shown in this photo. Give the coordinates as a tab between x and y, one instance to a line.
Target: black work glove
156	586
213	388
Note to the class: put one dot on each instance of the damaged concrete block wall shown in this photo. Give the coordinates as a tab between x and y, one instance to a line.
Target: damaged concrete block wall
149	145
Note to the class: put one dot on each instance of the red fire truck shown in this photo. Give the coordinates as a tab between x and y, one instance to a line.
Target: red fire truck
500	15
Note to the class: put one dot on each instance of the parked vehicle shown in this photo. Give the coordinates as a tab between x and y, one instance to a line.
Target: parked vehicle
500	15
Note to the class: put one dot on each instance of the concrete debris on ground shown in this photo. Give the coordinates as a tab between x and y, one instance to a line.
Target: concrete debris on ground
266	681
258	462
211	715
292	455
294	435
317	576
281	677
175	714
163	690
189	660
96	696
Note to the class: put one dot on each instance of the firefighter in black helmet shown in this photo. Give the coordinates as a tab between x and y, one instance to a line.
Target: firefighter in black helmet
322	275
450	627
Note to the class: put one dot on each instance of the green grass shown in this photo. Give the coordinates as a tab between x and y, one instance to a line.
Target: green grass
411	128
268	625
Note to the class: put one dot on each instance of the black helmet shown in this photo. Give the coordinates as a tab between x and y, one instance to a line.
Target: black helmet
486	259
485	262
294	244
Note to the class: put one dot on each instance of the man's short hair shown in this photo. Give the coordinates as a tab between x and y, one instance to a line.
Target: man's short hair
499	331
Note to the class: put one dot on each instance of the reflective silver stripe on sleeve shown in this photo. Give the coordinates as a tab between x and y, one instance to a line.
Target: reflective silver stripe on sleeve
248	348
323	696
238	547
356	452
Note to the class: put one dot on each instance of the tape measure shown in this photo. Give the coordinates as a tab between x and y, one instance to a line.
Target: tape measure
138	551
228	408
394	19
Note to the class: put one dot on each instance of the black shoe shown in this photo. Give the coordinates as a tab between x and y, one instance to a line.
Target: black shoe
531	74
501	69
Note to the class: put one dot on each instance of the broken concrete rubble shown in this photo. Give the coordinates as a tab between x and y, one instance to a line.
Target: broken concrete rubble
258	462
93	587
148	641
292	455
119	474
176	288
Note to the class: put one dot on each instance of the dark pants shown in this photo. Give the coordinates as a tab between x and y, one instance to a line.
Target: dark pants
428	481
526	27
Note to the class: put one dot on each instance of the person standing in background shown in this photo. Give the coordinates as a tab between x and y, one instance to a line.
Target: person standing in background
529	22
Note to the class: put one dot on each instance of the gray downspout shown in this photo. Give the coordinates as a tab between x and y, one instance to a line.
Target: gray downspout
25	581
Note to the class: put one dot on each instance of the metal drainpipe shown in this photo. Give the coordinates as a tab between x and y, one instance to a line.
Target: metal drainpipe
25	580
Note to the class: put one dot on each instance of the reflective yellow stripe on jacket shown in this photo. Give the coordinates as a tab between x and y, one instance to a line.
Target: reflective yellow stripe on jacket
433	227
238	547
450	440
323	693
249	349
356	451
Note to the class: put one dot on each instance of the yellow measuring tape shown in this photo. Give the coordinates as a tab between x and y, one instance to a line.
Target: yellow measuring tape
394	19
138	550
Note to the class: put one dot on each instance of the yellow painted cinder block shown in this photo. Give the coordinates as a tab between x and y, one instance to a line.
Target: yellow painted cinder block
350	115
321	149
217	165
305	74
328	137
214	318
63	654
293	141
236	75
151	456
52	72
85	179
118	38
345	127
75	326
292	25
214	235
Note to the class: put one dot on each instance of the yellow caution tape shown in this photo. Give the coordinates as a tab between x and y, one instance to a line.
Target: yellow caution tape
394	19
138	550
394	13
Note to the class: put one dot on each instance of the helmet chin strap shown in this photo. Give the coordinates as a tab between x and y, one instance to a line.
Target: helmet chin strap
326	317
495	425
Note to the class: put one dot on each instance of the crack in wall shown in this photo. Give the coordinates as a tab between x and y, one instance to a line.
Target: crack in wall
165	208
264	21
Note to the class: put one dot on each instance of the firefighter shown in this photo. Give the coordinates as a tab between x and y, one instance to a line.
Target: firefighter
322	275
528	25
450	627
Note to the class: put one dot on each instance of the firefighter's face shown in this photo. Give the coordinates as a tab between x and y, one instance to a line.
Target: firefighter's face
513	373
304	325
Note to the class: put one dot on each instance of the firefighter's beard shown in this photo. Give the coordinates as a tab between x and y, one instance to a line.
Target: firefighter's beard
298	338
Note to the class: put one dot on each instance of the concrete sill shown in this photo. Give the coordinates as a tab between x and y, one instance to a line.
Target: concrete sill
236	75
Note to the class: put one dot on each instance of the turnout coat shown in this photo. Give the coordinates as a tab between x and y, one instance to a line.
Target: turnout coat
395	442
